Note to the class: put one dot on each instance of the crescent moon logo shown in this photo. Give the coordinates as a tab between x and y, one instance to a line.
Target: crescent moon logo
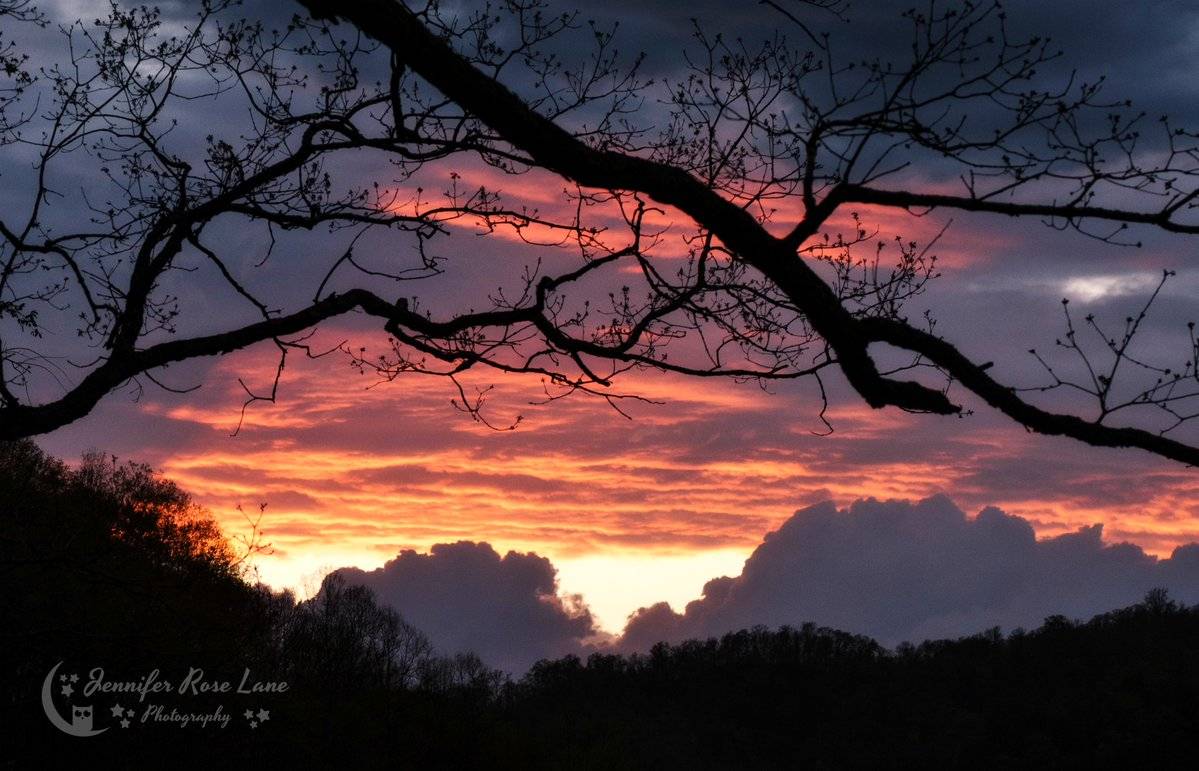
52	711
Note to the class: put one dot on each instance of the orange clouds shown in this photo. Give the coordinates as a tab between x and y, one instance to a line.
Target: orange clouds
354	474
536	208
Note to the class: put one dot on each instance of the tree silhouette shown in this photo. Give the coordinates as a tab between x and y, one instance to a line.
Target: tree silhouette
750	137
108	565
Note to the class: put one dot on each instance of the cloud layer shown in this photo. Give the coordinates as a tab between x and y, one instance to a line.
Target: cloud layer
901	571
354	476
894	570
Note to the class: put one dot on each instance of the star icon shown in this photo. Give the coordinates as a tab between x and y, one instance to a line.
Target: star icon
125	723
62	678
249	714
253	724
67	690
74	678
118	711
264	715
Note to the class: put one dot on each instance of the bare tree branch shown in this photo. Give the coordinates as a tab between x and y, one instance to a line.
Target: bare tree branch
434	97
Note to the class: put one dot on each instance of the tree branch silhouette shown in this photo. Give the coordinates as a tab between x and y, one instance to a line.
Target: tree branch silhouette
556	149
758	304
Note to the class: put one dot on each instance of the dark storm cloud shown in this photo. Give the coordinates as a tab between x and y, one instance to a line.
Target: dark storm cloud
1143	50
1144	54
900	571
466	597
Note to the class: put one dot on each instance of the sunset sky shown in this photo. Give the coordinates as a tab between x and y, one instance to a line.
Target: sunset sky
646	507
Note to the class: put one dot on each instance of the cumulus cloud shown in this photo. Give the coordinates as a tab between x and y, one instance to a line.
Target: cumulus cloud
466	597
900	571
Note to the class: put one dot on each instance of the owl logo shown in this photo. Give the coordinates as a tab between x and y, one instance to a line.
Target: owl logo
81	718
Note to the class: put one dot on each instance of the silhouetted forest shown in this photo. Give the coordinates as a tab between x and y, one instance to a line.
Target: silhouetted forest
106	564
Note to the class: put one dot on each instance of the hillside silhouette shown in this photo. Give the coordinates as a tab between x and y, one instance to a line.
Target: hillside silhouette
108	565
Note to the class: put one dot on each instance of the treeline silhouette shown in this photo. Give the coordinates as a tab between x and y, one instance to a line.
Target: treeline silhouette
107	564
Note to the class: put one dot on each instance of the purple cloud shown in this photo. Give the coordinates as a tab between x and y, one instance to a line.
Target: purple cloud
900	571
466	597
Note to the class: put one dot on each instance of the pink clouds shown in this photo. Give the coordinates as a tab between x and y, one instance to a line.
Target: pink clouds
968	241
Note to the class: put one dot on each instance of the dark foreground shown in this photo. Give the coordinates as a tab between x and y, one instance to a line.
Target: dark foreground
109	566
